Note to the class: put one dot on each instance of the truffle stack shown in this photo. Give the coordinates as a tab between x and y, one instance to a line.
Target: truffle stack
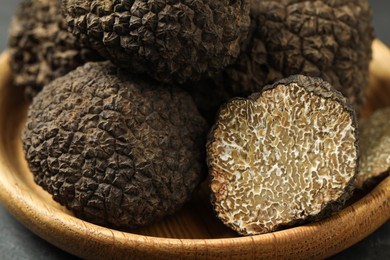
121	143
254	189
111	143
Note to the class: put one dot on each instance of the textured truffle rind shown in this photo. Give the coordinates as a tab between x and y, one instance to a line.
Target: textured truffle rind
116	151
172	41
328	39
375	149
282	157
41	47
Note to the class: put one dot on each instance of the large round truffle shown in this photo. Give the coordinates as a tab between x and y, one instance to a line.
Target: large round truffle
284	156
175	40
323	38
41	47
114	150
375	148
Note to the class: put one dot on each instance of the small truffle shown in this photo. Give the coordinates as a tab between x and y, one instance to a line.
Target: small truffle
374	149
285	156
328	39
41	47
171	41
116	151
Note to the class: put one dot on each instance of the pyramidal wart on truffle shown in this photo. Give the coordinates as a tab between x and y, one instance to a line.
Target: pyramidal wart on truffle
174	40
327	38
116	151
41	48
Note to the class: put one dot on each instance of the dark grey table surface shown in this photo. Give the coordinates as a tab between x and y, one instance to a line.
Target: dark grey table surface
17	242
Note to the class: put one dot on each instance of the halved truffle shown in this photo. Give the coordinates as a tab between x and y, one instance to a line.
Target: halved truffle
328	39
284	156
114	150
41	47
375	148
168	40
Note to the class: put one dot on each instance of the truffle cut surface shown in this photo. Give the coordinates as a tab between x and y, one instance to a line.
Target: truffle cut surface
283	156
117	151
375	147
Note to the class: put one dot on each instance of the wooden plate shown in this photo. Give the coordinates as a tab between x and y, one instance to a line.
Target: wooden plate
193	232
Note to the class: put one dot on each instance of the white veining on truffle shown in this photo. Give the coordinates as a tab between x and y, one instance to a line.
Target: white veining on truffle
280	158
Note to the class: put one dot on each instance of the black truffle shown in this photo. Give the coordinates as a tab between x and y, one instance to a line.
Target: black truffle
328	39
41	47
175	40
116	151
375	149
285	156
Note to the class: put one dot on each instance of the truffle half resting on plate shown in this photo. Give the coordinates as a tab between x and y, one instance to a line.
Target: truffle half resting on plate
41	47
282	157
116	151
375	148
168	40
328	39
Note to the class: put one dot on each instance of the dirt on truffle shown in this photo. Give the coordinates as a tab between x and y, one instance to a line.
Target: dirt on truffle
117	151
171	41
41	48
282	157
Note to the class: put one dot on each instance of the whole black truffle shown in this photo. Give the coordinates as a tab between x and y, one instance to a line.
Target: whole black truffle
41	47
115	151
285	156
330	39
174	40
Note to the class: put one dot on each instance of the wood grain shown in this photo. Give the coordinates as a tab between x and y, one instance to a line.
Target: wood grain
194	232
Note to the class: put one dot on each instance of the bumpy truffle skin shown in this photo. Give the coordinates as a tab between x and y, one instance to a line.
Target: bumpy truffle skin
172	41
116	151
330	39
41	47
375	149
285	156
